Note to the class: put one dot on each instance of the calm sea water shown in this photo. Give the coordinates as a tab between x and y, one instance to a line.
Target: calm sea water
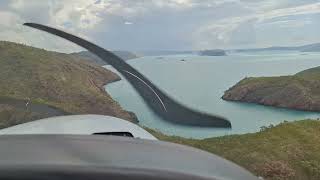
199	82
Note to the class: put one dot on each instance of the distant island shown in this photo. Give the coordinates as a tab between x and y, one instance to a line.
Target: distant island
126	55
305	48
213	52
88	56
164	52
35	83
299	91
220	52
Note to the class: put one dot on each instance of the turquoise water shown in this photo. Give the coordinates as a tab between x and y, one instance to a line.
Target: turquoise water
199	82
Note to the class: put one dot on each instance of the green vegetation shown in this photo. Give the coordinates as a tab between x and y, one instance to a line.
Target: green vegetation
11	115
286	151
56	80
299	91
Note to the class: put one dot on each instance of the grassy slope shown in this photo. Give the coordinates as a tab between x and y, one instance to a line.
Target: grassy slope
287	151
60	80
10	115
300	91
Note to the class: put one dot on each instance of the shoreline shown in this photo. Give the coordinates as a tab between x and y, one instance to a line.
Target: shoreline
267	105
134	117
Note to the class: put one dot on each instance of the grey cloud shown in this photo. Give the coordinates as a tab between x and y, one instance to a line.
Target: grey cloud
166	24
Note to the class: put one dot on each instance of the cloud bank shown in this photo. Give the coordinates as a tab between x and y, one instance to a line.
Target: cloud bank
163	24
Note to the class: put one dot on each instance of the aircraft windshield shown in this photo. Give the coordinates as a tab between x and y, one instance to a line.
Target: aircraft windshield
237	78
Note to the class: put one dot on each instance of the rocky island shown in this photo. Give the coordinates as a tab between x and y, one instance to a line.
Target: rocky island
213	52
35	83
299	91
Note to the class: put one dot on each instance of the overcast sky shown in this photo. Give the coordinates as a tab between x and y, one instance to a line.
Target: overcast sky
164	24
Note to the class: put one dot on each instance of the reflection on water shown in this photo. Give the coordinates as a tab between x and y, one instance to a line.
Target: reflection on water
199	82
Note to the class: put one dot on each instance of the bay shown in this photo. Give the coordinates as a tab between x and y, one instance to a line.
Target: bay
200	81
